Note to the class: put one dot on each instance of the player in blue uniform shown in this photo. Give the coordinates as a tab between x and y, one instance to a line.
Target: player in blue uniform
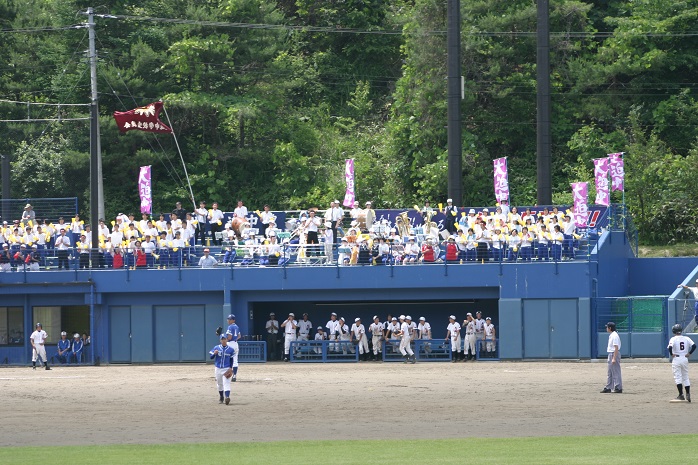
233	334
63	348
223	355
77	348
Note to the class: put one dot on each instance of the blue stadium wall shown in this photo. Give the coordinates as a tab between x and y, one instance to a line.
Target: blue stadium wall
541	310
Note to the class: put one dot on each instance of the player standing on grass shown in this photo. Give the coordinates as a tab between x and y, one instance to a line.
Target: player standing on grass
233	334
223	355
680	347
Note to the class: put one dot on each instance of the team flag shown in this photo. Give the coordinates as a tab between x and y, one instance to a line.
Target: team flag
580	192
501	180
145	118
617	171
145	190
601	177
350	194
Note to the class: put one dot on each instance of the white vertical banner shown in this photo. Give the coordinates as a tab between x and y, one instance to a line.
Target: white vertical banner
145	189
350	194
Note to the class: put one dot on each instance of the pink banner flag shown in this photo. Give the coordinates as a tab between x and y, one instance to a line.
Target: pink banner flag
617	171
601	177
501	180
144	190
580	192
350	195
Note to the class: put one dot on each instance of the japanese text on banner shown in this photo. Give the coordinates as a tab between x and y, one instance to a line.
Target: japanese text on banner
350	195
501	180
144	190
580	192
617	171
601	178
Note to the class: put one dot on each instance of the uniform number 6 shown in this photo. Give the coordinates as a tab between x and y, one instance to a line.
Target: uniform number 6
681	345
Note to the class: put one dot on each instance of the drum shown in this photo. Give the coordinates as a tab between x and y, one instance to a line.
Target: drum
239	225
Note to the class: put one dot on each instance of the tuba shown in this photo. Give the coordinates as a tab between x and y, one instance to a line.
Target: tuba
402	223
428	224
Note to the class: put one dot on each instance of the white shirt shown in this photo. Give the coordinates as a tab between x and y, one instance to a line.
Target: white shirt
424	330
240	212
376	329
405	329
613	340
290	326
680	345
62	242
38	337
394	328
215	215
332	328
272	326
320	336
359	331
454	329
489	330
479	325
304	327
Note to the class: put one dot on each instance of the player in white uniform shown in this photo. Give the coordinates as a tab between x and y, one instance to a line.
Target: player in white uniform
405	338
223	354
376	329
479	331
490	337
290	326
680	347
233	334
332	331
320	336
38	339
345	336
304	327
424	332
358	332
469	347
453	333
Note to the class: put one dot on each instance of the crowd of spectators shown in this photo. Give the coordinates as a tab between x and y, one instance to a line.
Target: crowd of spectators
205	238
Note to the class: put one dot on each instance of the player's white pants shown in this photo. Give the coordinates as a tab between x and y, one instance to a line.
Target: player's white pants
490	345
346	343
39	352
6	267
235	346
469	343
405	346
302	337
287	342
222	382
455	343
363	345
377	340
679	365
333	347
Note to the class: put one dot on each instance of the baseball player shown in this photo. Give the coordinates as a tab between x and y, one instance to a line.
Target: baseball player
223	355
345	335
304	328
479	329
37	339
453	333
76	348
490	337
63	348
320	336
424	332
393	332
405	338
376	329
290	326
469	348
359	335
413	327
332	331
680	347
232	335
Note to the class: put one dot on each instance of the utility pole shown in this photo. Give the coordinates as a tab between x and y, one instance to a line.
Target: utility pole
543	137
5	187
455	144
96	187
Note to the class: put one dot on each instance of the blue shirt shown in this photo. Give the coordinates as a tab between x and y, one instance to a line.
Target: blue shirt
233	332
77	346
63	344
224	356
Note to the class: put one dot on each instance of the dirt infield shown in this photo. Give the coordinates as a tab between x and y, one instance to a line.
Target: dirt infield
163	404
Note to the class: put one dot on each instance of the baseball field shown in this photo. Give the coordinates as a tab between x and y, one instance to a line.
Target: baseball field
368	413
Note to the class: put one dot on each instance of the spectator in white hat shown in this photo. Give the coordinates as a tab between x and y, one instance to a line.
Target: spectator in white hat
451	213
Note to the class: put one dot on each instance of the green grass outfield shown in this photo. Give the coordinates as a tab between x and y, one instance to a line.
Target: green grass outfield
594	450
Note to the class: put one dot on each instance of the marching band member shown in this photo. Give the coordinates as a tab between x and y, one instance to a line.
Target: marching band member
450	211
370	216
428	251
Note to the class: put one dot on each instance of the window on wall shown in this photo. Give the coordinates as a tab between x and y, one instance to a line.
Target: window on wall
11	326
71	319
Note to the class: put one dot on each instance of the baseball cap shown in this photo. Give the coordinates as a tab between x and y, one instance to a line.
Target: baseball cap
357	319
223	336
207	250
452	317
468	314
272	314
402	317
449	200
231	317
421	318
38	324
334	314
488	318
375	316
408	317
291	314
76	335
63	333
394	319
342	318
319	328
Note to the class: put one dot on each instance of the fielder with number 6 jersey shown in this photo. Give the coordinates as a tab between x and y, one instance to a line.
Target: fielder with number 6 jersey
680	348
223	355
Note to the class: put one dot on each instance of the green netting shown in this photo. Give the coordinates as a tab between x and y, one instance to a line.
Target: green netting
647	315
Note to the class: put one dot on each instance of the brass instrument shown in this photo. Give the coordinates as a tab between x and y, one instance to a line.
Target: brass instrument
428	224
402	223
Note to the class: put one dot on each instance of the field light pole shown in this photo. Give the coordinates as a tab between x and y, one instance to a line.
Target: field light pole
96	187
5	187
455	145
543	137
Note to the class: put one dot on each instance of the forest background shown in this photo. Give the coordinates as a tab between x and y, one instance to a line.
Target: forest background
268	99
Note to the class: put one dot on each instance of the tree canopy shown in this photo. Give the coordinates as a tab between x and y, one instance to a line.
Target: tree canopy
268	98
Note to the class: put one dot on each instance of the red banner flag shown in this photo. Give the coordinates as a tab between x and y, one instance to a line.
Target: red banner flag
145	118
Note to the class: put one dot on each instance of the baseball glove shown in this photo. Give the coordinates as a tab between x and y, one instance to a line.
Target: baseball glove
228	373
219	331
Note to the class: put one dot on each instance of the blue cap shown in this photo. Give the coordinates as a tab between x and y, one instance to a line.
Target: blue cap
224	336
231	317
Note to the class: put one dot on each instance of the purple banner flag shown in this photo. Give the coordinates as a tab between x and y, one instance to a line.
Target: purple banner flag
501	180
580	209
601	177
350	195
144	190
617	171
